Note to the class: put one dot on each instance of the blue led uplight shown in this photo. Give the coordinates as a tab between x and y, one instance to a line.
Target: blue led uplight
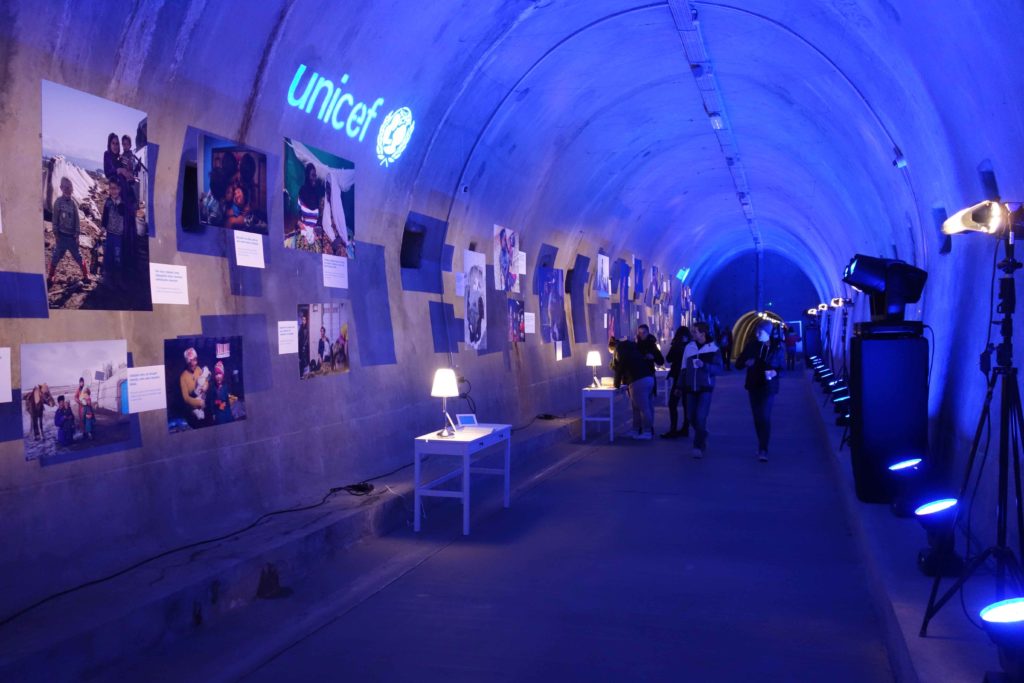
935	506
1004	611
905	464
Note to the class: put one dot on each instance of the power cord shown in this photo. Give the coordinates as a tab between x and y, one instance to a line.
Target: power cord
363	488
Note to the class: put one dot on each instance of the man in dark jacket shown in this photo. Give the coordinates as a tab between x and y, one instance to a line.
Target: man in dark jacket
765	358
632	368
674	358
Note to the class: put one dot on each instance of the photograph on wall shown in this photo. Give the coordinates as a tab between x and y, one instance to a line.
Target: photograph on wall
638	279
324	332
553	326
204	382
319	201
602	279
516	320
74	397
95	202
653	293
474	266
506	246
232	185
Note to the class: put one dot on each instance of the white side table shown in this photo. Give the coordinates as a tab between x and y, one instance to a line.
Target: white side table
608	393
467	444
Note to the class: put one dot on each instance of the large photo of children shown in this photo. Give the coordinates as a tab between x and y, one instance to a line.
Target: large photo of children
553	326
95	182
319	201
324	333
475	272
204	382
233	185
74	397
506	246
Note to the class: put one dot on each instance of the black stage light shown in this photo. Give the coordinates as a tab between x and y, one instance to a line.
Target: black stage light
890	284
1003	622
940	558
906	479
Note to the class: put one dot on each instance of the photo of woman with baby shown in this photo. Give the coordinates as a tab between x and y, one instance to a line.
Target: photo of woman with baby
204	382
234	186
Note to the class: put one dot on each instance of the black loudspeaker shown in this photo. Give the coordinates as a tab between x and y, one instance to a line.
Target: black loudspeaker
888	403
412	245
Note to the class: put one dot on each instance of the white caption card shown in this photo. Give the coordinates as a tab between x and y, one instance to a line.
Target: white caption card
287	337
249	249
5	375
530	321
146	389
168	284
558	351
335	271
521	262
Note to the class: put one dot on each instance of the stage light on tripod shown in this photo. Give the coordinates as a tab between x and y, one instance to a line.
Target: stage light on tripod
1003	622
812	312
822	307
987	217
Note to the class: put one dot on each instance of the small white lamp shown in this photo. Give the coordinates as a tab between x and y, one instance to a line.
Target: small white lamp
445	386
594	361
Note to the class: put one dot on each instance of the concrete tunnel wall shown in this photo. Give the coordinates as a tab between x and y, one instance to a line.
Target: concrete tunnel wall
577	123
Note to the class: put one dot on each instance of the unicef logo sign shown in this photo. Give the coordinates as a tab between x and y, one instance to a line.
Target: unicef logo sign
334	104
394	135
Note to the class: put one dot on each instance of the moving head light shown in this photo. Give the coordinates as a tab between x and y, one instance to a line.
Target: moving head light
889	283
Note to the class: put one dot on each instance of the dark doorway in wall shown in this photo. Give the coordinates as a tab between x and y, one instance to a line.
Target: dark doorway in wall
729	293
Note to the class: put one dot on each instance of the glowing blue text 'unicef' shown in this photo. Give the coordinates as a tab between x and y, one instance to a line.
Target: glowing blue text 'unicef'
341	110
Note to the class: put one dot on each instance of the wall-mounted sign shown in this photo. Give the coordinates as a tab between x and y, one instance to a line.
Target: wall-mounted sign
331	103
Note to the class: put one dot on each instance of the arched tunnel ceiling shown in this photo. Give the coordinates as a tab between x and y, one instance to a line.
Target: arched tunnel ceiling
605	133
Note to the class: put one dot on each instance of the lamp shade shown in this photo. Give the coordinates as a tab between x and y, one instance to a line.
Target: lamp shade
445	384
593	359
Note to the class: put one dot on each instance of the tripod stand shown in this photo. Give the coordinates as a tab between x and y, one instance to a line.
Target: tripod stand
1011	420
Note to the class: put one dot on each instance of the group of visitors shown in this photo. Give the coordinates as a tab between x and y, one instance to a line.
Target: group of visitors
695	360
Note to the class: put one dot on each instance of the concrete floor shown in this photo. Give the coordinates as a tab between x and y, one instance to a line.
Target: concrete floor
635	562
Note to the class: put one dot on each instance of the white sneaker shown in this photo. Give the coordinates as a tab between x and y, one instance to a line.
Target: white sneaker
645	436
698	453
762	456
636	435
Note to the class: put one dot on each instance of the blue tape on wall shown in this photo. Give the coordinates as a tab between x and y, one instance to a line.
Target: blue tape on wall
497	317
255	345
447	257
595	318
23	295
546	255
367	275
194	238
10	417
152	157
577	298
446	331
427	278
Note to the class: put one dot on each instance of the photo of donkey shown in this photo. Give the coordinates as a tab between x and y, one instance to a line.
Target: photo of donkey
35	399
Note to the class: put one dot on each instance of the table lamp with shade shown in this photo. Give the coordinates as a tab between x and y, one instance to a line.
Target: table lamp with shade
445	386
594	361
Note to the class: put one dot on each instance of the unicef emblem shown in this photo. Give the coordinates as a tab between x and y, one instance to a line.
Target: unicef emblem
394	135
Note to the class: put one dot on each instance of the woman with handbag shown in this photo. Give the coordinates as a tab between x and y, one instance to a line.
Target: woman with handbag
765	357
677	386
702	361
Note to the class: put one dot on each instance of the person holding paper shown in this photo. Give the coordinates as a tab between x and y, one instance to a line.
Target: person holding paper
765	358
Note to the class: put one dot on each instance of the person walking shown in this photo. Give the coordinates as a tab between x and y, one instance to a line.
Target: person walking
792	339
763	358
677	387
725	345
632	368
702	361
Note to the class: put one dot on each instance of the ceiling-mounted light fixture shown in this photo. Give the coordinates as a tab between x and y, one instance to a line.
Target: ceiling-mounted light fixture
717	122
